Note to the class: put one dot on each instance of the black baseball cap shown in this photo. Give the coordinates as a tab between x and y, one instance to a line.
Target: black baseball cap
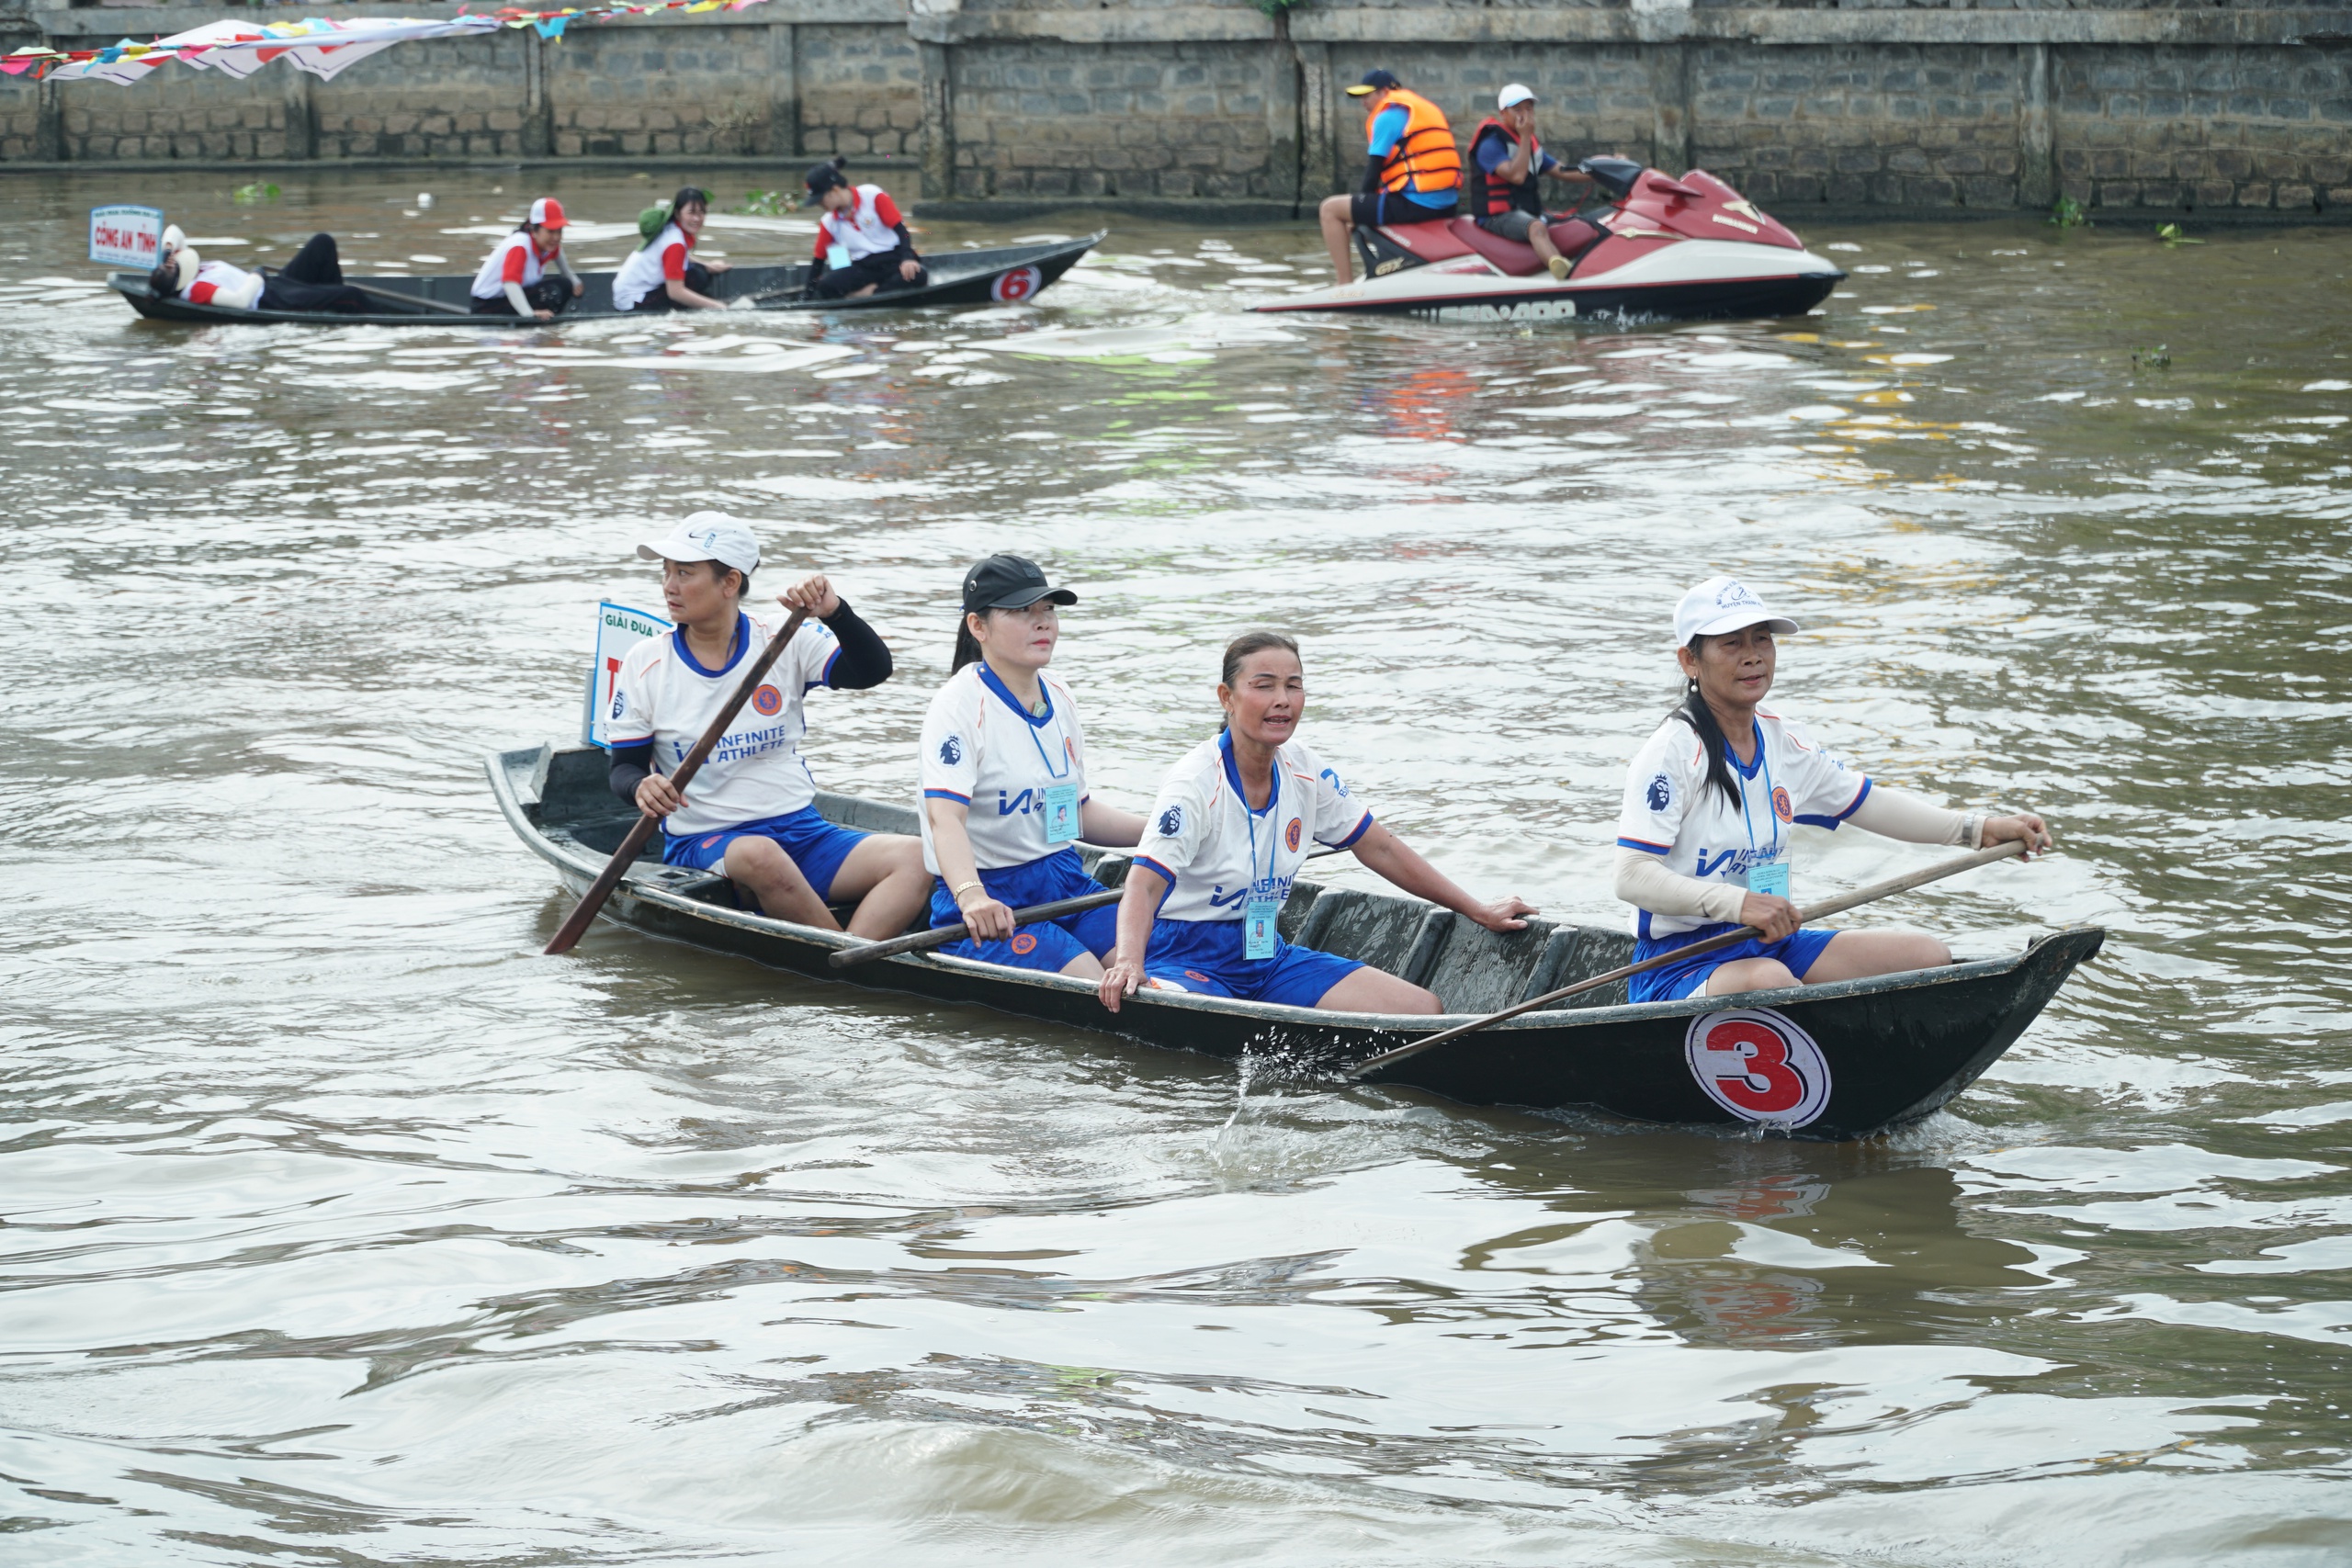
1374	81
1009	582
821	179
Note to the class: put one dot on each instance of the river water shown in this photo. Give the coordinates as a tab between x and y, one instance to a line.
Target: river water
342	1227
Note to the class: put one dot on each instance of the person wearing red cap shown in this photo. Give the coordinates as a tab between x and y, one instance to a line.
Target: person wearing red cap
514	281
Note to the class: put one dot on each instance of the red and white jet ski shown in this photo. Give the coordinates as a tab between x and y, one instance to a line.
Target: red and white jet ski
1658	248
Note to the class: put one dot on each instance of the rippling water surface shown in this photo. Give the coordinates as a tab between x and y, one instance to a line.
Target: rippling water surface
344	1228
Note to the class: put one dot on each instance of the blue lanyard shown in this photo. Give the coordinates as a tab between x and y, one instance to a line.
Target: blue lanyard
1764	756
1069	762
1274	840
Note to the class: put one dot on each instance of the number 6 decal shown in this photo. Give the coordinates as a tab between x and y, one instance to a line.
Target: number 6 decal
1758	1065
1016	286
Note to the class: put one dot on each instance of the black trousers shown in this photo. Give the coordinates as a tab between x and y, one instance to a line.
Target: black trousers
314	281
882	271
552	293
698	278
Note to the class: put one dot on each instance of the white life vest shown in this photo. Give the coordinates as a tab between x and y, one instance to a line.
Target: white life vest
489	283
641	275
858	231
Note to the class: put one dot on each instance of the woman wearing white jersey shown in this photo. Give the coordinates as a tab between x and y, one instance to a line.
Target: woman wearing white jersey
862	240
753	809
1225	839
1004	796
513	280
664	275
1703	842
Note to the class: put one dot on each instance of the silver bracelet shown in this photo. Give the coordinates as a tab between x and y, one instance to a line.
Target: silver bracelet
1972	828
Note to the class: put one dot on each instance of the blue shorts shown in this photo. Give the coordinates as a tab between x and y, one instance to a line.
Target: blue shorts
1672	981
1048	946
1204	957
816	846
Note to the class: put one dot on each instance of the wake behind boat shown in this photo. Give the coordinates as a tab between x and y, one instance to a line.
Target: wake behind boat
1660	249
1003	275
1848	1060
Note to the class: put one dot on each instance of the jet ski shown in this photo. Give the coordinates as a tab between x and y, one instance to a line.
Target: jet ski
1653	248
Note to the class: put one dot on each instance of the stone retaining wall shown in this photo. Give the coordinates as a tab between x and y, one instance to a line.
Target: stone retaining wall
2160	104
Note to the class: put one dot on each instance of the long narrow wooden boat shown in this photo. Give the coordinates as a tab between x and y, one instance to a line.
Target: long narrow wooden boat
1005	275
1832	1062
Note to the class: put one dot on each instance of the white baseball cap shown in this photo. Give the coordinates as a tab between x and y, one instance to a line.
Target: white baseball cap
1517	93
1724	605
706	535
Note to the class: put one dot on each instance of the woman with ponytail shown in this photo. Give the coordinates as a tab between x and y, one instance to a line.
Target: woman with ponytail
663	276
1004	775
1703	838
1233	824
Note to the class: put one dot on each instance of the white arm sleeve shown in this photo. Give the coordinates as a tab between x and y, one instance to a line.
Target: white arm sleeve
520	301
1644	882
1895	815
563	260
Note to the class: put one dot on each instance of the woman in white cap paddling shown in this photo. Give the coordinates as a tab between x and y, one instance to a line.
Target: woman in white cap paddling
1004	795
753	809
513	280
1703	841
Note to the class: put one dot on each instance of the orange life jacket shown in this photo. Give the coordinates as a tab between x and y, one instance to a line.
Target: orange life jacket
1487	198
1424	158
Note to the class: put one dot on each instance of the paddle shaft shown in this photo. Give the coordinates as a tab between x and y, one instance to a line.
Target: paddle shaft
940	936
610	877
393	294
1805	916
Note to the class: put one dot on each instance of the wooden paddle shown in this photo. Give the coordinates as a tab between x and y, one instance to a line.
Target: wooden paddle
940	936
610	878
1807	916
393	294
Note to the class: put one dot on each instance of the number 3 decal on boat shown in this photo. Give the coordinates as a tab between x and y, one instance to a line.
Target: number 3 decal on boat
1016	285
1758	1065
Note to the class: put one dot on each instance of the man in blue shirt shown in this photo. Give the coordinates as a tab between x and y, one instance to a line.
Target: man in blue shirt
1414	172
1507	169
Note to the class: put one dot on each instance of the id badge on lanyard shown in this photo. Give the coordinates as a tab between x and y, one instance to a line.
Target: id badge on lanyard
1061	813
1770	879
1258	933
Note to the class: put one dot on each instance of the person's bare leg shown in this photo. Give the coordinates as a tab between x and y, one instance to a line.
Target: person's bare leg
1856	956
1338	222
1539	236
884	876
1377	990
784	894
1748	975
1086	966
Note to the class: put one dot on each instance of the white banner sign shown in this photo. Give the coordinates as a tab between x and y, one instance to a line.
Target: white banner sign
126	236
618	629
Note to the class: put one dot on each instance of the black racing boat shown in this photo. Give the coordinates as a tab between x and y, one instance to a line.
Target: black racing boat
1006	275
1832	1062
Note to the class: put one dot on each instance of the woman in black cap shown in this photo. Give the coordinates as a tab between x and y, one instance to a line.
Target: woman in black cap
664	275
862	240
1004	796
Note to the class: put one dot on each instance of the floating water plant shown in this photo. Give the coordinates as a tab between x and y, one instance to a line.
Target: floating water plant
259	191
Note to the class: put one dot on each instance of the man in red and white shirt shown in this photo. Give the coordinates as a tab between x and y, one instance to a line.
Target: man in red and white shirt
862	240
514	281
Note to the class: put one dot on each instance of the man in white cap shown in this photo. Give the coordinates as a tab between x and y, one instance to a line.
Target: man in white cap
752	812
513	280
310	282
1506	173
1706	833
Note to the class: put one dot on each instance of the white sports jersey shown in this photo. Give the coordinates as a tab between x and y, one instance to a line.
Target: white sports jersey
217	283
1214	849
490	281
755	771
867	229
1671	810
643	271
983	748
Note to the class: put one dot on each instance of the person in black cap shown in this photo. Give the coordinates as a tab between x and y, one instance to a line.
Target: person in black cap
1414	174
1003	777
862	241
